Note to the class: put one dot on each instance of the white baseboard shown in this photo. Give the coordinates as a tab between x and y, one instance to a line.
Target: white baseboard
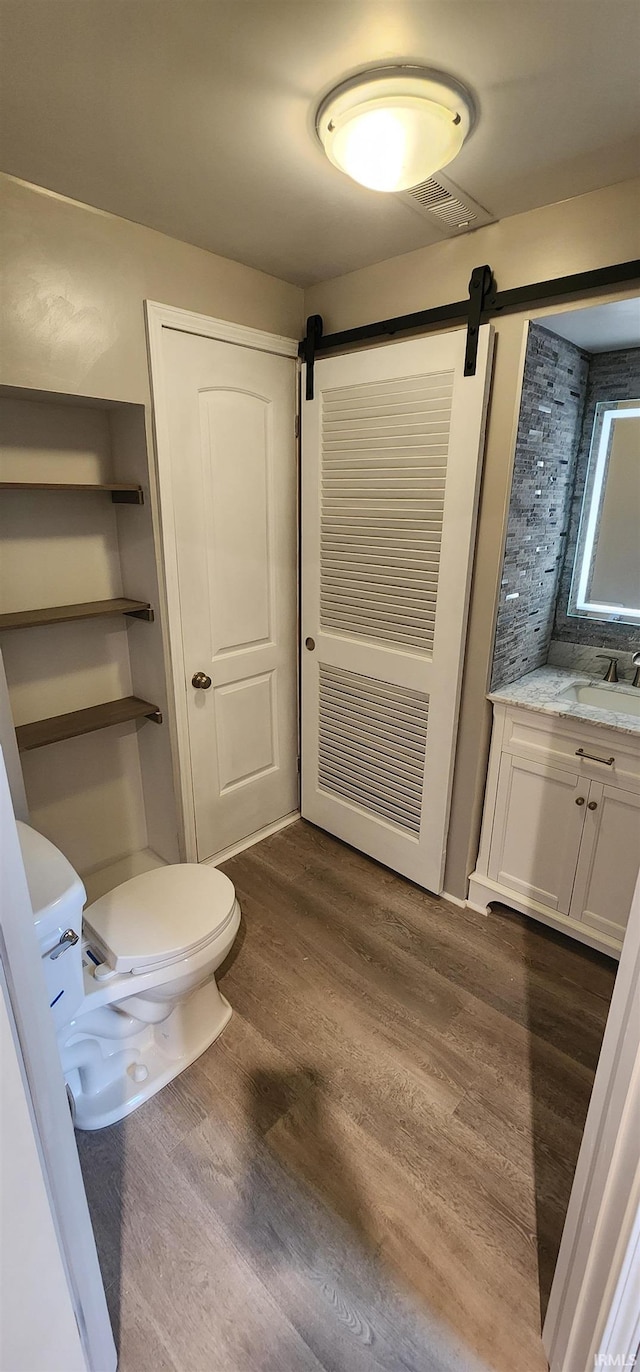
479	909
455	900
248	842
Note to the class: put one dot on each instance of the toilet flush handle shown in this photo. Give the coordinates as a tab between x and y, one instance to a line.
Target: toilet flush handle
66	940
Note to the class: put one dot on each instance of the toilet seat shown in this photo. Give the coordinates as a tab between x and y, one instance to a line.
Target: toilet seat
135	929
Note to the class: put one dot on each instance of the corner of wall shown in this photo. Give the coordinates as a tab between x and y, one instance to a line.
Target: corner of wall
549	428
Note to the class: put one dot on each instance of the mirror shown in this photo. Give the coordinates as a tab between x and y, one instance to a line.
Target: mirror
606	574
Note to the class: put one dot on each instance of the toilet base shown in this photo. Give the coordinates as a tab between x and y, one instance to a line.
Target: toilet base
160	1051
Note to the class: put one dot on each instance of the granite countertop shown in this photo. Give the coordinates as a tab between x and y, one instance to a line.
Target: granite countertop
541	690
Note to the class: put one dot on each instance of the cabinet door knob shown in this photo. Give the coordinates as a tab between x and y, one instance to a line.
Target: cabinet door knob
593	805
579	800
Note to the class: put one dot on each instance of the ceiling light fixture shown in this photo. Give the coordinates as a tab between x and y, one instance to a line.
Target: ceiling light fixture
393	127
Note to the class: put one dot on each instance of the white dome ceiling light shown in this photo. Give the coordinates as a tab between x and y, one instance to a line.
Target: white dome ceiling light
393	127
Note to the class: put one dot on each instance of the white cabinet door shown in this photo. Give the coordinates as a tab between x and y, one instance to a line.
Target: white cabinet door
538	826
230	422
392	449
609	860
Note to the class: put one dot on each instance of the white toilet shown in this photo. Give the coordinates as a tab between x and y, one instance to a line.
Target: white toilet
131	985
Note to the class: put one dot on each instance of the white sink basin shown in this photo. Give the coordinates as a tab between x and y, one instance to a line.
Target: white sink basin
603	698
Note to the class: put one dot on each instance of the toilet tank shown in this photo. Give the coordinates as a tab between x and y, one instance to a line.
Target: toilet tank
57	900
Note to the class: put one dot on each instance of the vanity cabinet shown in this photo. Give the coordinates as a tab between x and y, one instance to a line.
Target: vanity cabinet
608	860
561	831
538	828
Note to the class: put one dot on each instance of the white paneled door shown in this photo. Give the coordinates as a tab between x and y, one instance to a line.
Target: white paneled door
230	428
391	461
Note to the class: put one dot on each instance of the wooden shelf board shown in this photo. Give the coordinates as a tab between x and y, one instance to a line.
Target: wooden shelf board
121	491
59	727
62	614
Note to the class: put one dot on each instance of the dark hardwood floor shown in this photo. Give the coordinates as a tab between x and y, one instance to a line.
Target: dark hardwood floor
370	1168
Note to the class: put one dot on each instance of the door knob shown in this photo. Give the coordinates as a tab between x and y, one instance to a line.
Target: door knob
310	643
201	681
593	805
579	800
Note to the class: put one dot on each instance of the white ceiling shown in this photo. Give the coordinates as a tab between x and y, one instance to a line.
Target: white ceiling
599	328
196	116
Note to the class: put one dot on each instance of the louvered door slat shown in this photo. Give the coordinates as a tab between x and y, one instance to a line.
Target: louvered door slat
412	778
384	635
374	581
389	710
374	562
346	734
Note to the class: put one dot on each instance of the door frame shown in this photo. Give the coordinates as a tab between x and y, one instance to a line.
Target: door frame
593	1319
159	317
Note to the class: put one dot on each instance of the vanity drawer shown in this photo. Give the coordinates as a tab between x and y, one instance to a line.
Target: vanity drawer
528	734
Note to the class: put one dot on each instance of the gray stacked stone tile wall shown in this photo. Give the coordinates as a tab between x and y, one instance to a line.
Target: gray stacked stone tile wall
549	429
612	376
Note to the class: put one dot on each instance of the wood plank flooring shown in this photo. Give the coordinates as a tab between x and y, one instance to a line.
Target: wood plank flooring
370	1168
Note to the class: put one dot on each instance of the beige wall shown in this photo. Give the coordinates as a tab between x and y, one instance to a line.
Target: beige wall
73	281
577	235
72	285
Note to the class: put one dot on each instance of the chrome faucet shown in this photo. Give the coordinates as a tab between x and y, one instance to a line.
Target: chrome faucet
635	662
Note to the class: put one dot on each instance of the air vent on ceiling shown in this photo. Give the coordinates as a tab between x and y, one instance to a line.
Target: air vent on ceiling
446	205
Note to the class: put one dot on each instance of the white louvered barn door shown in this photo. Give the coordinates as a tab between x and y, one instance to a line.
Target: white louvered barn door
391	461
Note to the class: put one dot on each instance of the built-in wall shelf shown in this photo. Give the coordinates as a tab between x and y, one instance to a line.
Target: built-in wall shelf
121	493
88	609
78	526
59	727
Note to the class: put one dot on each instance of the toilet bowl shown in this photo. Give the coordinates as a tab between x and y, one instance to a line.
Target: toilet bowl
131	983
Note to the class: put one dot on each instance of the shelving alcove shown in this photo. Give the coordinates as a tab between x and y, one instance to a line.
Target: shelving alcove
81	646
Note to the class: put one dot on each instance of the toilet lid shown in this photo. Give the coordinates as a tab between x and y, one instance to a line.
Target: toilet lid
160	916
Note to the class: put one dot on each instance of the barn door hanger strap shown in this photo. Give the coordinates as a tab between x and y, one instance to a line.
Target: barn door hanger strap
483	303
307	349
481	286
